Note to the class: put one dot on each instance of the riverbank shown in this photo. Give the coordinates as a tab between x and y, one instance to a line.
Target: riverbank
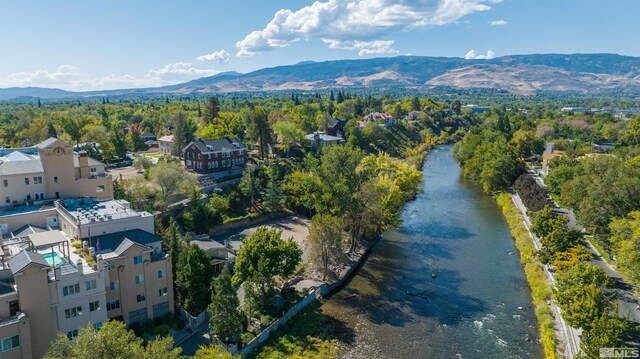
541	291
302	336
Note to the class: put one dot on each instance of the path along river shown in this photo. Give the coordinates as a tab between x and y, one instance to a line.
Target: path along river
478	306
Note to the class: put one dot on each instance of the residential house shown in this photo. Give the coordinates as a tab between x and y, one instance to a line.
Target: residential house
165	143
320	139
206	156
50	170
335	127
383	119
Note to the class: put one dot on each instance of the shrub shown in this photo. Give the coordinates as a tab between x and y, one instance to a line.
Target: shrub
246	338
162	330
147	325
534	197
137	328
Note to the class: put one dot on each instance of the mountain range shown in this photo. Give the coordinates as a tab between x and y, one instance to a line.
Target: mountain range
518	74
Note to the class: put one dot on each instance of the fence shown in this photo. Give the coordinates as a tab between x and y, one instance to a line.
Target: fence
191	321
264	335
316	293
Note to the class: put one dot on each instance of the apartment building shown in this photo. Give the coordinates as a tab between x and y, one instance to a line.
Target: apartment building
48	284
206	156
50	170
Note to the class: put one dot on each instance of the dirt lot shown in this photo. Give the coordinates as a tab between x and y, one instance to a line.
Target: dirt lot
125	172
292	226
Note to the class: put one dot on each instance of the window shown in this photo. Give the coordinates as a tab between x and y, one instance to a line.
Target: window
113	304
93	306
93	171
139	279
161	273
72	334
57	195
9	343
137	260
90	284
6	183
39	196
162	291
55	179
37	180
71	289
100	188
26	181
115	285
97	325
140	298
73	312
7	199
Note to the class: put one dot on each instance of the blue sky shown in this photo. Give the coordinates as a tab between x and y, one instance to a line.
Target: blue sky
85	45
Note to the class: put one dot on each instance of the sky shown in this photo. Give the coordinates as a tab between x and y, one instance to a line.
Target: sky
92	45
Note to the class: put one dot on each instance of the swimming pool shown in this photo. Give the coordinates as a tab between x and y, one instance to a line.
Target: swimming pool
53	259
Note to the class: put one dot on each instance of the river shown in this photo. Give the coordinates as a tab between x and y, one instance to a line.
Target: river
479	304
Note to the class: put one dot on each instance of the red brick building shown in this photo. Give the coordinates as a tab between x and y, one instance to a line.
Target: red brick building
206	156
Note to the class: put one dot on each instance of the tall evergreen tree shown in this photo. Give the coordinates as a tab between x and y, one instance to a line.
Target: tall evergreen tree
226	322
211	110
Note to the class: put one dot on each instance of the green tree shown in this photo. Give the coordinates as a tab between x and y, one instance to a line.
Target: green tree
606	332
171	178
289	134
226	321
527	144
195	279
184	130
211	110
113	340
258	128
265	254
250	184
626	244
214	352
325	242
546	221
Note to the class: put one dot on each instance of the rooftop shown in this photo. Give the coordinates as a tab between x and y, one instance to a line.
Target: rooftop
88	210
225	144
119	242
319	135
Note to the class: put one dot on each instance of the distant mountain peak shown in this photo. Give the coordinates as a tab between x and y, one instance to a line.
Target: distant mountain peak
521	74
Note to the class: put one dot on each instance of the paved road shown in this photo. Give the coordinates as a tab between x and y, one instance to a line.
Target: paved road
571	335
626	299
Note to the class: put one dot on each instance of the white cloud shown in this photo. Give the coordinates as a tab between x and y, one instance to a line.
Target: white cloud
63	73
70	78
221	57
499	22
180	69
471	55
348	21
363	47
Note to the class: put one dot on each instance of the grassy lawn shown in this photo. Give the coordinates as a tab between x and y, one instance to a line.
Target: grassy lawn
152	155
540	288
311	334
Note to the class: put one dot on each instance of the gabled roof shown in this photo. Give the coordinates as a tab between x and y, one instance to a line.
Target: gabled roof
166	138
21	260
147	134
28	229
336	122
120	241
225	144
20	167
48	142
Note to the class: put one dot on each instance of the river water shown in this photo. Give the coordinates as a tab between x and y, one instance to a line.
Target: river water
479	304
